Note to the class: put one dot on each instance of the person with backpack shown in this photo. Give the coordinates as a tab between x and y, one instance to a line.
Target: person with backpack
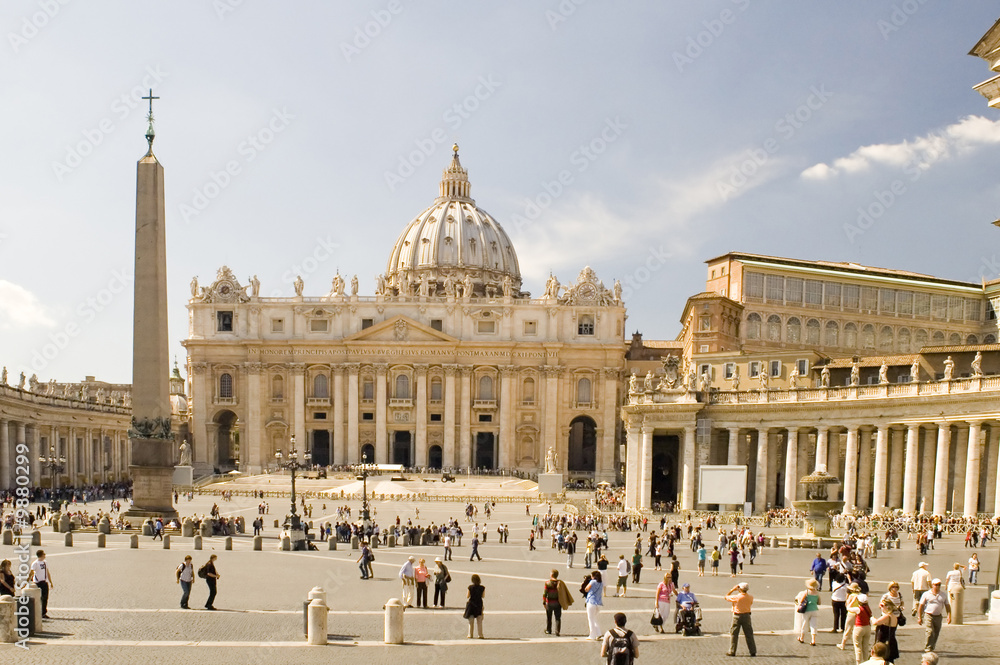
556	598
620	645
185	576
208	573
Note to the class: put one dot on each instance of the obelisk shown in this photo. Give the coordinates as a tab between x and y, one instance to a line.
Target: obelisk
152	442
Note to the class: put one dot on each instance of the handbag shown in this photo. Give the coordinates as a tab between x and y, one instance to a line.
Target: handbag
901	620
801	609
656	619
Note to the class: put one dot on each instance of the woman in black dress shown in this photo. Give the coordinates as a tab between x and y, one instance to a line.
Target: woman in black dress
474	605
6	579
885	629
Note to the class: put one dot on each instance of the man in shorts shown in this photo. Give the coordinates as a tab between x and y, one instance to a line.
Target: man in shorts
716	557
702	555
623	570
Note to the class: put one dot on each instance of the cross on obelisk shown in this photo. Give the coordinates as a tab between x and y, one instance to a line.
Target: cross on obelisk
150	133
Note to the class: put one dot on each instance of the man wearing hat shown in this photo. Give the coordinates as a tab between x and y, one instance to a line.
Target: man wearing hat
921	582
684	597
409	577
742	603
853	606
933	604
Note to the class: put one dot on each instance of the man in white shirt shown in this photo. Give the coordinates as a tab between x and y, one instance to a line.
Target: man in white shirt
409	578
933	604
623	571
185	576
921	582
42	576
447	547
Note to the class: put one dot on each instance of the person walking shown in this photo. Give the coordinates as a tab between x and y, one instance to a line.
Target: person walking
742	602
409	580
885	629
555	598
447	547
570	551
185	576
974	569
661	600
619	645
42	577
807	602
474	605
636	565
441	580
675	570
595	600
934	603
838	600
921	581
818	568
862	628
363	561
475	549
420	575
211	577
702	555
734	561
851	606
716	557
894	598
623	570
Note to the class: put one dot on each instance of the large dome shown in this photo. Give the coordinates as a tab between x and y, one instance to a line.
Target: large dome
453	246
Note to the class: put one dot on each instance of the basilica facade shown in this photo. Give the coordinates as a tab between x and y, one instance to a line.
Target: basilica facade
450	364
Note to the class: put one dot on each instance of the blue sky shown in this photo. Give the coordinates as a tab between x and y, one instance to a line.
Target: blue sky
638	138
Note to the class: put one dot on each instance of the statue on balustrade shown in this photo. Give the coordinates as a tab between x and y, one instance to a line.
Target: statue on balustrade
633	384
824	377
793	377
255	286
977	364
185	454
763	377
3	377
298	284
20	382
855	373
735	378
883	373
949	369
354	285
647	383
915	370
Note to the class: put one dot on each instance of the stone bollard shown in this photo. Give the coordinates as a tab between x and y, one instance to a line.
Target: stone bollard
405	540
317	592
64	523
286	543
241	524
374	543
75	523
774	541
8	537
425	539
33	591
258	543
355	542
206	529
993	616
68	540
331	543
392	540
197	542
166	542
394	621
276	525
133	541
956	596
187	528
229	542
8	620
147	528
102	540
104	526
36	538
318	616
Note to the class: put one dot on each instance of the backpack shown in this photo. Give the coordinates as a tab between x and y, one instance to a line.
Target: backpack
628	567
203	572
620	648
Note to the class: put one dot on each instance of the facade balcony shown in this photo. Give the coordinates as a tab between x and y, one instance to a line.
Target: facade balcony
484	404
318	401
400	402
277	399
584	405
224	401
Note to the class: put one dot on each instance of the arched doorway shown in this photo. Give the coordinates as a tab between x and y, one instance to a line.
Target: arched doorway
225	444
401	447
664	475
434	457
582	445
485	452
368	453
321	447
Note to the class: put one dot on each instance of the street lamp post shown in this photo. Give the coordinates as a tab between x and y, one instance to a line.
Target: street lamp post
365	514
294	523
55	464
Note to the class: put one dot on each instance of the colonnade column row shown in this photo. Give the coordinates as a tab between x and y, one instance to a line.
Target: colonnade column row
791	465
760	476
881	467
632	452
340	443
299	402
822	449
353	450
448	454
941	469
733	457
911	467
7	455
687	479
645	471
421	407
864	468
851	470
465	420
381	430
973	456
506	446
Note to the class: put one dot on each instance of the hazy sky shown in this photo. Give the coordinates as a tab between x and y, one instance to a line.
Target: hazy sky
638	138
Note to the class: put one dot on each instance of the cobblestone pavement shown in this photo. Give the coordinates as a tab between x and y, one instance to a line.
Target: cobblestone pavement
117	604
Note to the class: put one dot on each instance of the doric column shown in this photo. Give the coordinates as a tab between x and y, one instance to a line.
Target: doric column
450	404
606	470
881	466
465	420
910	468
760	482
894	480
550	408
645	463
926	498
420	371
851	469
338	444
299	405
7	455
252	441
733	450
72	456
991	460
19	436
833	457
633	451
791	465
802	460
822	449
972	468
687	481
381	401
941	469
958	471
506	447
351	445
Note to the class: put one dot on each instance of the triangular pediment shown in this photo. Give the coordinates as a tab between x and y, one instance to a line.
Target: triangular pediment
400	329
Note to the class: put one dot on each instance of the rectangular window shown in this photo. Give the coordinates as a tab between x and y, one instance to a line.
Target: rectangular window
320	415
703	348
851	296
775	368
921	305
435	417
706	323
713	273
793	290
435	391
754	369
367	323
814	292
277	325
973	310
955	308
367	415
436	324
531	327
319	325
585	324
705	369
904	303
803	366
486	327
939	307
225	321
887	301
755	286
869	298
730	369
485	417
775	285
368	390
831	295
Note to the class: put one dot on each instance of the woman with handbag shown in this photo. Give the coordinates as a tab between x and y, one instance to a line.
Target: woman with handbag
661	602
885	629
808	606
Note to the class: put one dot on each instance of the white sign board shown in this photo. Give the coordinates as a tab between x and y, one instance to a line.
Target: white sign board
722	484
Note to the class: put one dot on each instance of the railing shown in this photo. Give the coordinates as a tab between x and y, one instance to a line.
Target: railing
64	402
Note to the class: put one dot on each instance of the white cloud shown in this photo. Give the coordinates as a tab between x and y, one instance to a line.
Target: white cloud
20	308
966	135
